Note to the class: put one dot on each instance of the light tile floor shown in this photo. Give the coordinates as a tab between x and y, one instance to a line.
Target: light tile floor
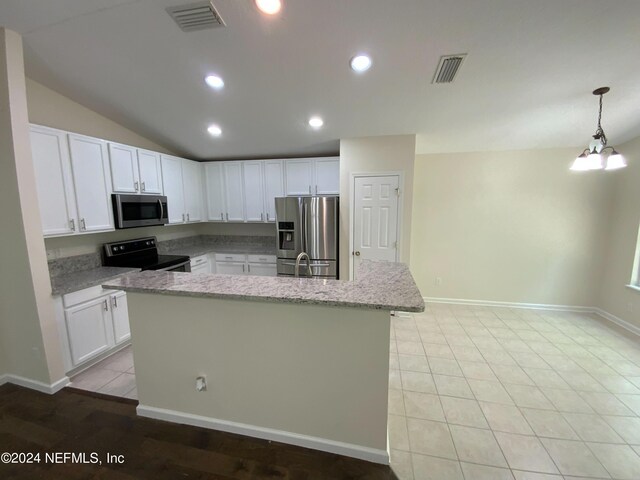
114	375
498	393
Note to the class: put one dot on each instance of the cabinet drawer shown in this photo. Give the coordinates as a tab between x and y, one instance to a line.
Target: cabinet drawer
195	261
81	296
261	258
230	257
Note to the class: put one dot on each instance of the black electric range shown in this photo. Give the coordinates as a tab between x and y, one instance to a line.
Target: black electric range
143	253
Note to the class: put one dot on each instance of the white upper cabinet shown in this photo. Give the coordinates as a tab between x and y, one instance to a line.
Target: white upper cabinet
234	191
150	172
124	168
312	176
90	170
253	191
173	188
299	176
273	187
192	181
54	183
327	176
214	177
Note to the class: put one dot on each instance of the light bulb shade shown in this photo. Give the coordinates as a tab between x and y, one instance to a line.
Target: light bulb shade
580	163
615	161
594	161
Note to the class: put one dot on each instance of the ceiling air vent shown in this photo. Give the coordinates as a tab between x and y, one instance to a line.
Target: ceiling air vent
196	16
448	68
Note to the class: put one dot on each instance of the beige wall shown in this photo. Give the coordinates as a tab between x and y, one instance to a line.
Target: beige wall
310	370
28	332
393	153
514	226
51	109
615	297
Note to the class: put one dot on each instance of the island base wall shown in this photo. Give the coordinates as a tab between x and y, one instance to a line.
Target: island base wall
309	375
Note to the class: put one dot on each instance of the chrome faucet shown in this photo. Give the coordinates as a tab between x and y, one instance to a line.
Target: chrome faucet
300	257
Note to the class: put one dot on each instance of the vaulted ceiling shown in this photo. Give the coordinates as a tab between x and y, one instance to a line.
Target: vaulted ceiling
526	82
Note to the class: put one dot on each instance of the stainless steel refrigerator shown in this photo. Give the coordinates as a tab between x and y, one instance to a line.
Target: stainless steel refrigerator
308	225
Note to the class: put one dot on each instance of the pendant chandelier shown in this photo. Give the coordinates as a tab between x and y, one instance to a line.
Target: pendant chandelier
592	158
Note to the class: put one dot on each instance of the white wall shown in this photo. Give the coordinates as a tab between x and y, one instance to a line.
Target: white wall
514	226
28	332
390	153
49	108
615	297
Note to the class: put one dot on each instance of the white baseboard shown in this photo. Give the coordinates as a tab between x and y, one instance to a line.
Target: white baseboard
618	321
538	306
35	384
316	443
490	303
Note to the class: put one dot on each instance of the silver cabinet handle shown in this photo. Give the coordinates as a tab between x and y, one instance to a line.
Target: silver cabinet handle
222	216
135	186
227	217
183	217
262	217
228	258
143	187
243	268
73	225
249	268
106	305
309	189
188	217
115	301
83	225
316	189
267	216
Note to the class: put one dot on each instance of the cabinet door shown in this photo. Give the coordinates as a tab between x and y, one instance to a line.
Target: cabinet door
90	169
230	268
124	168
234	195
262	269
253	191
87	329
273	187
173	187
192	179
202	268
54	184
299	176
150	172
215	191
120	316
327	176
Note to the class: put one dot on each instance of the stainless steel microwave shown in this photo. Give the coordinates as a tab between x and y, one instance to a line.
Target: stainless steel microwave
132	211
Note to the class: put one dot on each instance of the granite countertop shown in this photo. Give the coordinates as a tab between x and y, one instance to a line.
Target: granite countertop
74	281
202	249
379	285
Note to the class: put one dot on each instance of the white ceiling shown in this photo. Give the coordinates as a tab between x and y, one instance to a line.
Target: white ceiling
526	82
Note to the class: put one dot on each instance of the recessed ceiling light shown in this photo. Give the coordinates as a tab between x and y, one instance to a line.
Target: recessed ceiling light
270	7
214	81
214	130
360	63
316	122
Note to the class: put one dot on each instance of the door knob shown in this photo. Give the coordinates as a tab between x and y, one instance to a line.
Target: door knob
356	253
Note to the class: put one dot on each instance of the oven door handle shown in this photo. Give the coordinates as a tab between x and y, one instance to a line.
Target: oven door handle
161	210
173	267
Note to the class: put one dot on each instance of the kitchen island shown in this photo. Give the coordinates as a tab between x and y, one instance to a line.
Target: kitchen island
297	360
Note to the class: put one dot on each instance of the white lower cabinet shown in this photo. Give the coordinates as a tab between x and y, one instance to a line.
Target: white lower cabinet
241	264
93	321
262	269
200	264
88	330
230	268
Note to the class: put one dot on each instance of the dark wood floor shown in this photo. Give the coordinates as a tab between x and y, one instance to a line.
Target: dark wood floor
73	421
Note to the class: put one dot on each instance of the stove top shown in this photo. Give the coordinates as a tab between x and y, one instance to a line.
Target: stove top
140	253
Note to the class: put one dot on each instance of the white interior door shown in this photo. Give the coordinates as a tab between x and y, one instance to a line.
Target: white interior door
375	222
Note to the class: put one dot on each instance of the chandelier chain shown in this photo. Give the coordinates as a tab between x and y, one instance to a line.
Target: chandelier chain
600	131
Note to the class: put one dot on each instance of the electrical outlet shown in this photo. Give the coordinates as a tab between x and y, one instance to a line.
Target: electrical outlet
201	384
438	281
